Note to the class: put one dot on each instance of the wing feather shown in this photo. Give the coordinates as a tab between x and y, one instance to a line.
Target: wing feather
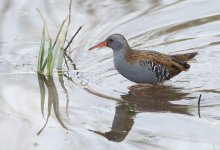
172	64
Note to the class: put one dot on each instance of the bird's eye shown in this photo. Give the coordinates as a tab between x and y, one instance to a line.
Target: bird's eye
110	40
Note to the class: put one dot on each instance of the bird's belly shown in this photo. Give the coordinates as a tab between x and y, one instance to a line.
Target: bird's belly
136	72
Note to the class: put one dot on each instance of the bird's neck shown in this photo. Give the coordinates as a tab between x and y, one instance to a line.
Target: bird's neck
119	55
120	52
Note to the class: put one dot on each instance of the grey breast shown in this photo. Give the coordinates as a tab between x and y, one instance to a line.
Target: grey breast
142	72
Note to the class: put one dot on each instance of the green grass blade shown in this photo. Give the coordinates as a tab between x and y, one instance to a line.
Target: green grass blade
60	57
49	58
58	34
56	47
41	52
55	59
60	40
44	64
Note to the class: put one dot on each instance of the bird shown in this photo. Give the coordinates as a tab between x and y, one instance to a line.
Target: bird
144	66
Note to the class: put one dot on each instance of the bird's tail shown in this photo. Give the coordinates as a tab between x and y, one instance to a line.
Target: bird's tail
184	57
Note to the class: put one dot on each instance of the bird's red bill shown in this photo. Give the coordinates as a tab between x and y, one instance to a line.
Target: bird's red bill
102	44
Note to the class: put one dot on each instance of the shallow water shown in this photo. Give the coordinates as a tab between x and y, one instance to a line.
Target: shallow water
94	102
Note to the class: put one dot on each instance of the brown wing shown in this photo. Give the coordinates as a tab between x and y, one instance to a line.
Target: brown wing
169	62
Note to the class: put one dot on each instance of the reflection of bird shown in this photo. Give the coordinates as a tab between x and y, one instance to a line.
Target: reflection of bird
121	125
157	98
144	66
144	99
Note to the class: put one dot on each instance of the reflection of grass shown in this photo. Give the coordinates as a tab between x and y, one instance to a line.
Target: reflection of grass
61	80
53	98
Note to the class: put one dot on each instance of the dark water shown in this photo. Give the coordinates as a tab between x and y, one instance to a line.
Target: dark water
94	102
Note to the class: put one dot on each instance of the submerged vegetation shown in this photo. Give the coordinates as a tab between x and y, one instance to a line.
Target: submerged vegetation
52	54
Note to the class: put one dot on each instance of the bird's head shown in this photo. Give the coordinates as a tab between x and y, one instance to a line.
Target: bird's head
115	41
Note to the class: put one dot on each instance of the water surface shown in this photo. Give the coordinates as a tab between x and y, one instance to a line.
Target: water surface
93	107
